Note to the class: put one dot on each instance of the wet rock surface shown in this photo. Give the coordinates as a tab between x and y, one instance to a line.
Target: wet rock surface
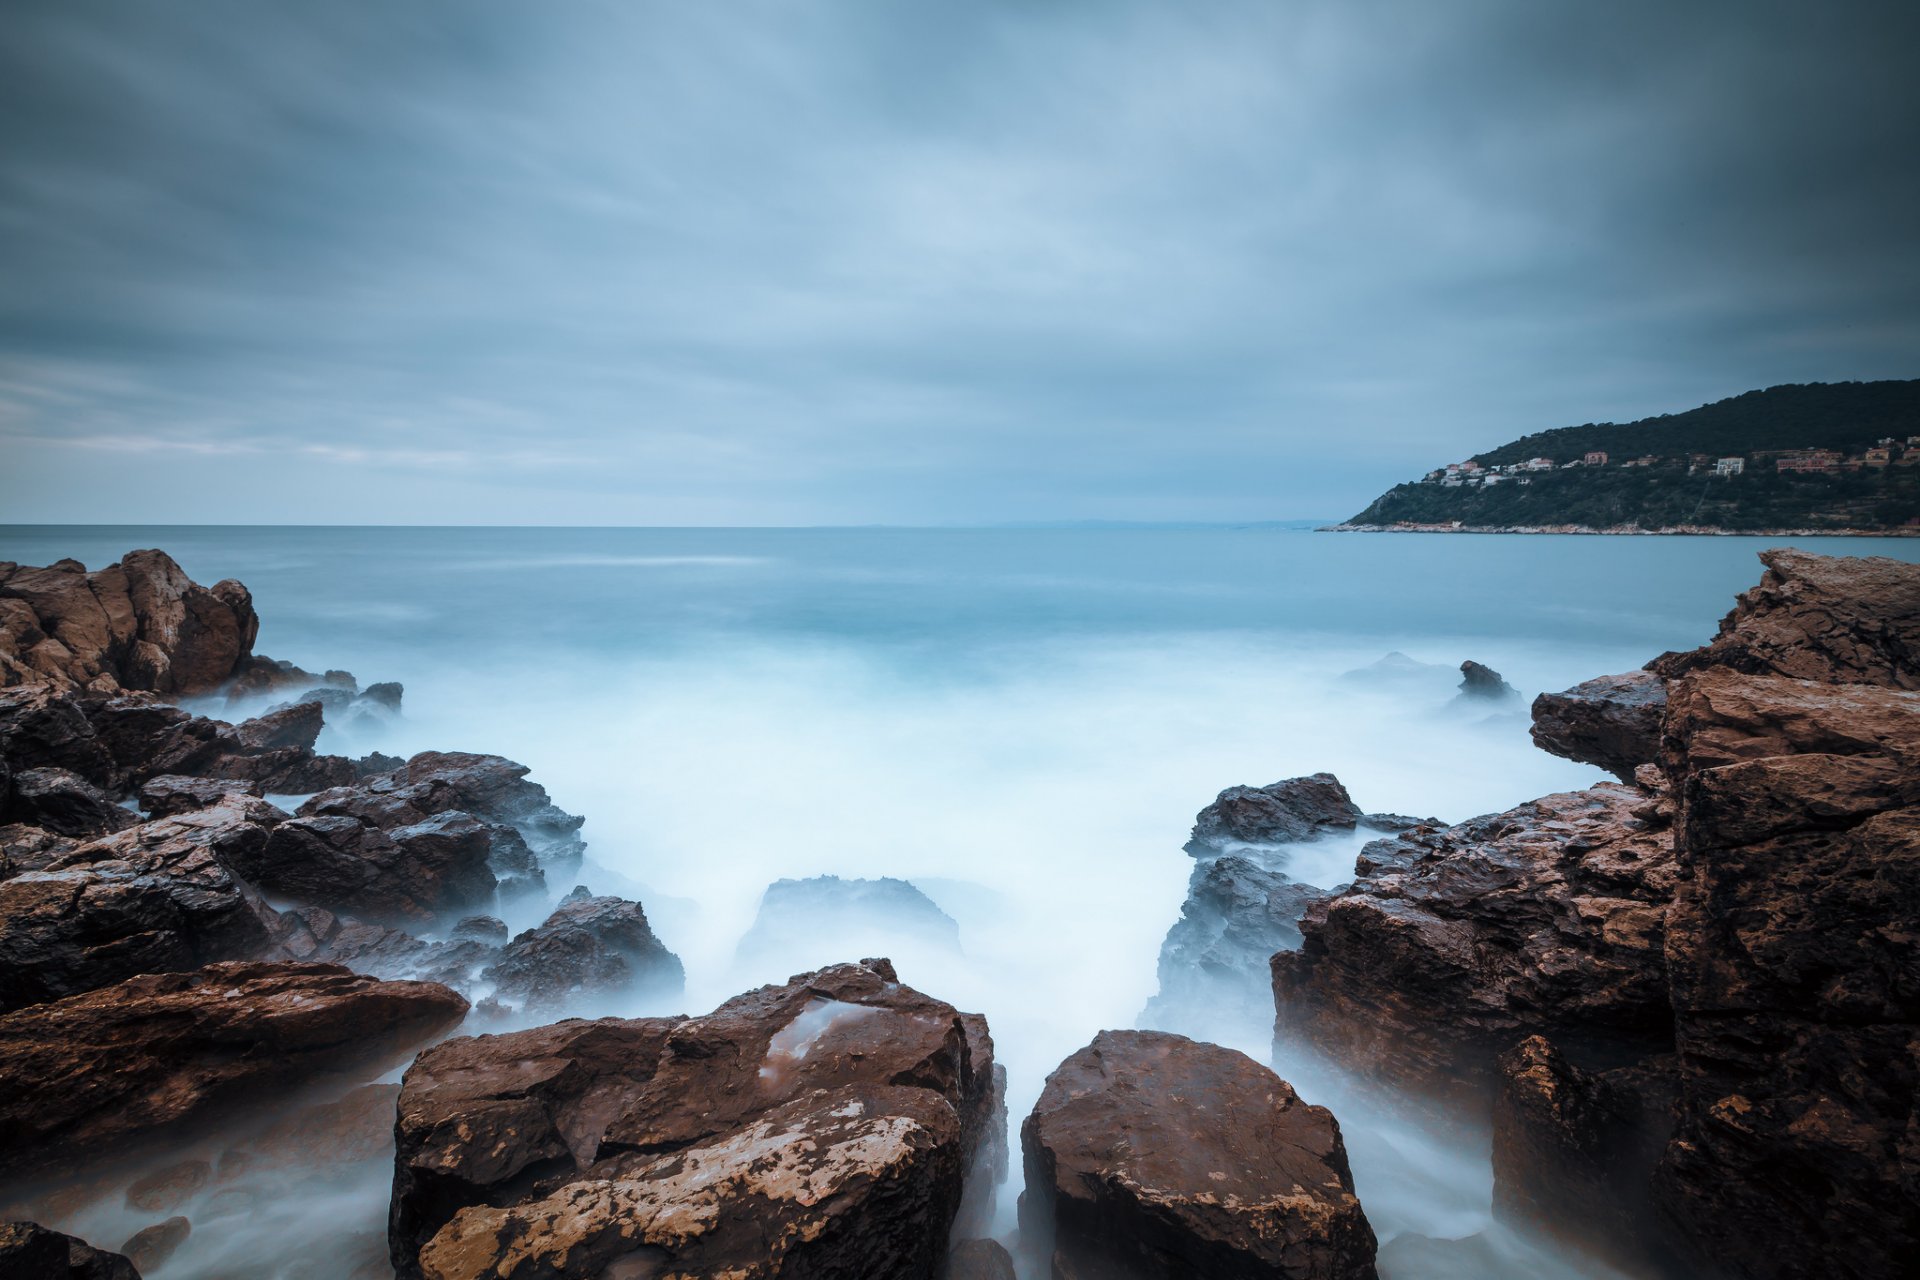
1482	683
556	1150
1152	1155
1611	721
30	1251
417	872
1282	812
589	945
141	1058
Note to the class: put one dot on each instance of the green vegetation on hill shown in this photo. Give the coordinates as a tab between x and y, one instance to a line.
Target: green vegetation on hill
1848	418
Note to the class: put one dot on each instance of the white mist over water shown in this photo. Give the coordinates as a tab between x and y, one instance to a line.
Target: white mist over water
1022	724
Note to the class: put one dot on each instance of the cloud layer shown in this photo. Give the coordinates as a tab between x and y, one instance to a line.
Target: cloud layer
814	263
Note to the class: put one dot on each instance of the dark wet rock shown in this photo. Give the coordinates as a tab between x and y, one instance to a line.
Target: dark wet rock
1283	812
484	929
588	945
151	1056
150	1247
157	897
172	794
1792	941
295	726
1549	917
416	872
1572	1151
1483	683
24	848
1612	721
40	728
260	676
63	802
585	1141
316	934
30	1251
138	624
386	693
1152	1155
1833	619
1237	914
795	915
978	1260
166	1189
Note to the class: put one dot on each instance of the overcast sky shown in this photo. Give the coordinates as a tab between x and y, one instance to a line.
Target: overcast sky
862	261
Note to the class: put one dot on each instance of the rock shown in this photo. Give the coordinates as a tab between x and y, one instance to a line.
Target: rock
1237	914
1549	917
978	1260
295	726
1572	1150
1297	809
1795	935
1612	721
415	872
316	934
483	929
154	898
1834	619
141	1060
1483	682
588	945
171	794
63	802
166	1189
795	917
150	1247
40	728
585	1141
138	624
1153	1155
349	1130
30	1251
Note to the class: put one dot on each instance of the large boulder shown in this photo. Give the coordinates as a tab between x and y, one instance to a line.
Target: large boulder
138	624
1795	940
29	1251
821	1127
1296	809
158	1054
1611	721
295	726
1150	1155
418	872
154	898
589	945
1458	941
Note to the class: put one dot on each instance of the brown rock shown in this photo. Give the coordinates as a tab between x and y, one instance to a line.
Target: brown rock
170	1187
1297	809
30	1251
294	726
141	1059
978	1260
415	873
150	1247
587	945
63	802
172	794
1151	1155
1611	721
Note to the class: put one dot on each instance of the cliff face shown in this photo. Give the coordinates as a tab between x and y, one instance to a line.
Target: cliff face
1698	992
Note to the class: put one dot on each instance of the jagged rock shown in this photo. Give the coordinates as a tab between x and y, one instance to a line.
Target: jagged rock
1548	917
1792	942
295	726
316	934
24	848
63	802
978	1260
415	872
1297	809
259	676
691	1139
30	1251
1152	1155
156	897
150	1247
587	945
483	929
144	1058
1835	619
1612	721
1237	914
796	915
40	728
386	693
1482	682
172	794
138	624
1572	1150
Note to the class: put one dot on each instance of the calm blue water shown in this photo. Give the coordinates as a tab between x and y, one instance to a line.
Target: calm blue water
1023	722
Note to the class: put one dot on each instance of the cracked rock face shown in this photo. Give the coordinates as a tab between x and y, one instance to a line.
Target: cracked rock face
1611	721
1151	1155
794	1130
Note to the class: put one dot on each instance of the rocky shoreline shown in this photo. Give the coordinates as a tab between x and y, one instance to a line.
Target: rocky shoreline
1684	999
1701	531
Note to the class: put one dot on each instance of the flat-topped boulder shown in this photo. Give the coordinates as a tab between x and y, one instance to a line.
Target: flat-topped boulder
1151	1155
150	1056
796	1129
1611	721
1296	809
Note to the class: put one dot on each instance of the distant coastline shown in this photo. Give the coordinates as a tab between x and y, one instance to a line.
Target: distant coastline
1676	531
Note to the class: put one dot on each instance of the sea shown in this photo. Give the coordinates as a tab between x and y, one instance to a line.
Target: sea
1020	722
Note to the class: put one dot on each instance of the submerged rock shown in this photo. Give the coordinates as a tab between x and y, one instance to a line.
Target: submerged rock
819	1127
30	1251
1611	721
587	946
140	1060
150	1247
797	916
1152	1155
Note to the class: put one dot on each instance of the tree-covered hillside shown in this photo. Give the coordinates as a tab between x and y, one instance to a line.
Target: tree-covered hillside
1849	488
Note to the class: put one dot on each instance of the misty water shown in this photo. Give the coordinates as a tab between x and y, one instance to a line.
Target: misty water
1022	723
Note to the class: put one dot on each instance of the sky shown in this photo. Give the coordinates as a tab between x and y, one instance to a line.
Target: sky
851	262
